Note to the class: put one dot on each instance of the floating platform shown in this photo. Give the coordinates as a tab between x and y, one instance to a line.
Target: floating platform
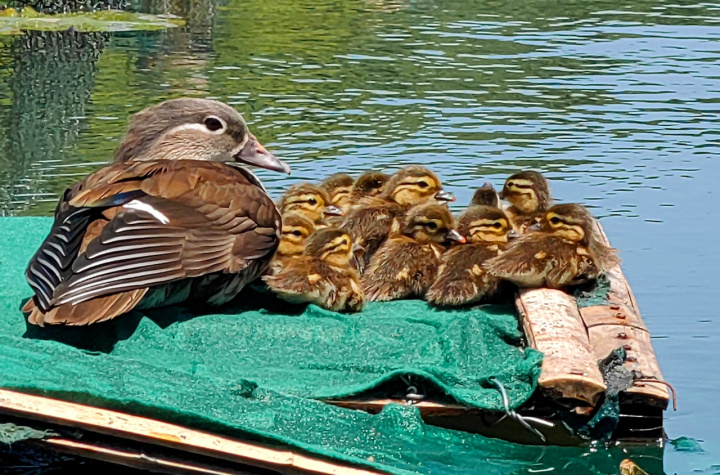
260	389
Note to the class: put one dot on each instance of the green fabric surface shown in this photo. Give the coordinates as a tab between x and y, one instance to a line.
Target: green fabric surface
254	368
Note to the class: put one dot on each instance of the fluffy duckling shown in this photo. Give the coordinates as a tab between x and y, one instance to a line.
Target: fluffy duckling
338	187
485	196
296	229
461	280
371	220
322	275
407	264
368	184
166	222
565	251
529	195
310	201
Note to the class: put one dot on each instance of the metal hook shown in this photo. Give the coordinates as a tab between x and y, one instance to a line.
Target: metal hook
668	385
523	421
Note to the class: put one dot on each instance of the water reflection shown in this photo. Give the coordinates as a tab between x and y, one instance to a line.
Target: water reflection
616	102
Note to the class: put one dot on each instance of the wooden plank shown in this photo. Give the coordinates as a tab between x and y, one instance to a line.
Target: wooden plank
426	408
553	325
622	317
164	434
606	338
129	458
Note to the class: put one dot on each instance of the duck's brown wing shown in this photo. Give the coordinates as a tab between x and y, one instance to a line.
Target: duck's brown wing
304	280
461	279
535	260
401	268
369	223
186	222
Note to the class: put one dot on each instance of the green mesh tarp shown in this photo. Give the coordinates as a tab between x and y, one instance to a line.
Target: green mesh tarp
255	368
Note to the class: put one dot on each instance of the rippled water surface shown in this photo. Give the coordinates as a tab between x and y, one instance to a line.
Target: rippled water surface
616	101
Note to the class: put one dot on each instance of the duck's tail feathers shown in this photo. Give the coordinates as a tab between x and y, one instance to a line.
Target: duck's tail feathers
85	313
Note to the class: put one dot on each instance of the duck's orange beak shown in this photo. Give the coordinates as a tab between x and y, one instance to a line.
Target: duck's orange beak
253	153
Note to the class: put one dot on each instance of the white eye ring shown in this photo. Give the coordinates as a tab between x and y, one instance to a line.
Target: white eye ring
214	124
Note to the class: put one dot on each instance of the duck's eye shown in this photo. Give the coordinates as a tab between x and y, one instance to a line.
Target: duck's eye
423	184
344	242
213	124
555	220
297	233
510	184
497	225
432	225
312	201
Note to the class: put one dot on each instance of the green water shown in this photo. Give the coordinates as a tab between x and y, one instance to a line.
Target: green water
616	101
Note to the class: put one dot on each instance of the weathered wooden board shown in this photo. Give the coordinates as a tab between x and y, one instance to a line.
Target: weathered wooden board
131	458
160	433
553	325
620	324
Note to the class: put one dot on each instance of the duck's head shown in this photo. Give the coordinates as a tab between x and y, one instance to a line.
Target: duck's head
528	191
296	229
308	200
338	187
485	196
369	184
571	221
415	184
485	224
431	223
194	129
330	245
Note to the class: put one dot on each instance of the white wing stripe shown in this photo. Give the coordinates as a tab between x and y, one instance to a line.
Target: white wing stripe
111	260
113	270
128	277
108	290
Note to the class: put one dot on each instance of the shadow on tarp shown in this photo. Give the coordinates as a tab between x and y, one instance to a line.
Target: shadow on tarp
102	337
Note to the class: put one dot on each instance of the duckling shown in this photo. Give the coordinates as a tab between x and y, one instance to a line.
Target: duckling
564	251
371	220
407	264
368	184
322	275
529	194
166	222
461	280
309	200
296	229
485	196
338	187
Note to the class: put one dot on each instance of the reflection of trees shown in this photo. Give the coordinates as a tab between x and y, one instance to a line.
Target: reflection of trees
179	56
51	83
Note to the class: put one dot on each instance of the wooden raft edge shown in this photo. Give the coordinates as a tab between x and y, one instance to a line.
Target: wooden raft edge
620	324
164	434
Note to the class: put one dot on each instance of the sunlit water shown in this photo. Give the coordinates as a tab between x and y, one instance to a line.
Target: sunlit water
617	103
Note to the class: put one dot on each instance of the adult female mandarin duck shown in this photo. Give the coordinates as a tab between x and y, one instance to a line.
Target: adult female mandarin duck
565	250
167	222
